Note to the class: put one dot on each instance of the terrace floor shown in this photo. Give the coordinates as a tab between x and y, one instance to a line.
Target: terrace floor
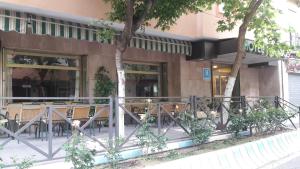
15	149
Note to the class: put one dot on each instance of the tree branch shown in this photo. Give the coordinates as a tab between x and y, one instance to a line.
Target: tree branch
127	31
133	24
137	22
254	5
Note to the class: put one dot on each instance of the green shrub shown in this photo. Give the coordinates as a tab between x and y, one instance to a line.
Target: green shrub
78	153
199	129
238	123
113	153
264	118
104	86
148	140
23	164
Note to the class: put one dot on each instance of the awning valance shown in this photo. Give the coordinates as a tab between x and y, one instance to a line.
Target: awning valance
22	22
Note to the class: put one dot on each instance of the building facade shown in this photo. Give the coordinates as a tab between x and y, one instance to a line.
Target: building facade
50	50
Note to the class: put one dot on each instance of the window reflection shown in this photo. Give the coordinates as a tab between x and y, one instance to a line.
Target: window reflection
28	82
38	60
142	80
141	85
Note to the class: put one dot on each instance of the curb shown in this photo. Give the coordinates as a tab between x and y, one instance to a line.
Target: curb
256	154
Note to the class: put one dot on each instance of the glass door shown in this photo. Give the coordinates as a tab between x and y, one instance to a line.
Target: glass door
220	78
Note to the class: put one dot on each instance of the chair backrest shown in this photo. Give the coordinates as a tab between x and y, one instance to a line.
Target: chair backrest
104	114
14	110
169	108
81	112
31	111
180	107
201	115
63	110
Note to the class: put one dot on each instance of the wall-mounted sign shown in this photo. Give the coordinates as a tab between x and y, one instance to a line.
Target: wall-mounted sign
293	65
206	74
251	48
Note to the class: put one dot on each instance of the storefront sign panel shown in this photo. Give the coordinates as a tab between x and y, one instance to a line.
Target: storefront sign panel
206	74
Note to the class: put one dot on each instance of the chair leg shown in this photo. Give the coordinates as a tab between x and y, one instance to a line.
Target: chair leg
100	126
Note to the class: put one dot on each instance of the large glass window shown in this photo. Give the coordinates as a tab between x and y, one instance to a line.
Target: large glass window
40	75
143	80
28	82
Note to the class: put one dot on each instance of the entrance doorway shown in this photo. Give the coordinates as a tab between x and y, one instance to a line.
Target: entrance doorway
220	75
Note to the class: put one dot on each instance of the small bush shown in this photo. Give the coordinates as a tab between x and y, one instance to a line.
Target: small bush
104	86
238	123
199	129
148	140
264	118
113	153
23	164
77	151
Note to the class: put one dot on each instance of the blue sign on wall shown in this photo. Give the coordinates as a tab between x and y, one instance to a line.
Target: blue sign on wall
206	74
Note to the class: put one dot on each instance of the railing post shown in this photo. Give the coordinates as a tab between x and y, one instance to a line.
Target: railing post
117	121
243	105
50	134
110	121
193	104
159	119
276	101
299	115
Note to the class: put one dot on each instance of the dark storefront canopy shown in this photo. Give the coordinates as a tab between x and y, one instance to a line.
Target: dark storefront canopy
224	51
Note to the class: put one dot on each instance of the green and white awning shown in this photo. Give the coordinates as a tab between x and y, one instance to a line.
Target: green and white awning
22	22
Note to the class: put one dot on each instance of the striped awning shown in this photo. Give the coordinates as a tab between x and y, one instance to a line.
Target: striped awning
22	22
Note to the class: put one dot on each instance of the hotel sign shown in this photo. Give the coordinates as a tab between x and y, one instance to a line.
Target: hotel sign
206	74
251	48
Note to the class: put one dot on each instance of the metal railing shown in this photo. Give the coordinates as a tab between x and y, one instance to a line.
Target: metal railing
49	116
46	115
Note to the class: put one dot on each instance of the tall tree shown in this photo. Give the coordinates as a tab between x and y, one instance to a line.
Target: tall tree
255	16
136	14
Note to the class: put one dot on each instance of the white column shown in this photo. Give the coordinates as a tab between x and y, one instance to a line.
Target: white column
283	80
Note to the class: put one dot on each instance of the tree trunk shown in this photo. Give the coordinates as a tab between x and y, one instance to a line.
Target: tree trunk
240	55
121	91
131	26
232	78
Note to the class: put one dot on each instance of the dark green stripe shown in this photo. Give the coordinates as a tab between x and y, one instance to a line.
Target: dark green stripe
62	29
18	23
78	32
87	36
43	26
94	36
70	31
52	30
33	24
6	21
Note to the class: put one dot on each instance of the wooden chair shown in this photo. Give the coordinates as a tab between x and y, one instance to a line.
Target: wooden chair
13	114
30	112
103	116
59	121
81	113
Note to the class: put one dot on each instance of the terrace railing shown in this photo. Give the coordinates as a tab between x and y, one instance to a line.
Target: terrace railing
48	115
51	120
